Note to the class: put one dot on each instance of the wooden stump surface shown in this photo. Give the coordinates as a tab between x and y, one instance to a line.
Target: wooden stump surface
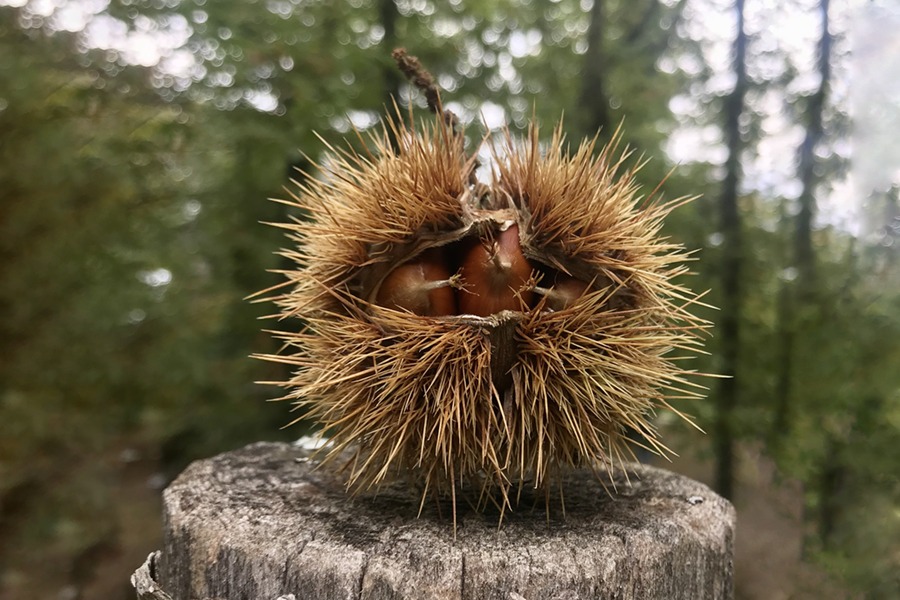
262	523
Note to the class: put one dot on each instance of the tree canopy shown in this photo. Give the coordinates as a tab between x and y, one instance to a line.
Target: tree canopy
140	140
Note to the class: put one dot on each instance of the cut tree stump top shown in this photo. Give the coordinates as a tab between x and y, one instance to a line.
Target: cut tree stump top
262	523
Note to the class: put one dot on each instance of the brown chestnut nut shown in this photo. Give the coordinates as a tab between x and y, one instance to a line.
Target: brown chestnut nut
494	273
564	291
422	286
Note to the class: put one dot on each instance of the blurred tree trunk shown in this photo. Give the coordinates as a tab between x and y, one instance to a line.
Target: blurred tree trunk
593	103
831	480
804	249
794	294
730	224
388	15
891	228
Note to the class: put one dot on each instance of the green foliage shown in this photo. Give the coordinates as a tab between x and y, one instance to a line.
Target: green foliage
131	231
121	280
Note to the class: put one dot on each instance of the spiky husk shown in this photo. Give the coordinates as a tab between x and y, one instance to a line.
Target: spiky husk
423	397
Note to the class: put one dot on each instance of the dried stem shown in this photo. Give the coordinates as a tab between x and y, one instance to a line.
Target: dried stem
410	66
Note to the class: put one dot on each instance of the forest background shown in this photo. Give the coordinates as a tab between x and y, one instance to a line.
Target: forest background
140	139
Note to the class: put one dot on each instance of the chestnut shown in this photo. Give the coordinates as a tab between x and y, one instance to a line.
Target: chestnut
564	290
422	286
495	273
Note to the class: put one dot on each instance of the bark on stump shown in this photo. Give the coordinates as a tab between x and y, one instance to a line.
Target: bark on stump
262	523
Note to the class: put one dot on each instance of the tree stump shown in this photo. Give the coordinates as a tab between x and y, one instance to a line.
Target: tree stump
262	523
